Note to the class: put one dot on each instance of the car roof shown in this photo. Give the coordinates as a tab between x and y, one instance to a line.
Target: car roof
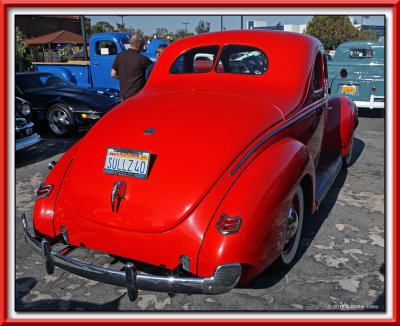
360	44
284	84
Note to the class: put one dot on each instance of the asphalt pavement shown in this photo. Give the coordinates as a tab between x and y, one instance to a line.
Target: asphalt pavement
340	266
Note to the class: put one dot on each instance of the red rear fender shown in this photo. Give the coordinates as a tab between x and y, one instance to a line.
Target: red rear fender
261	196
44	208
340	125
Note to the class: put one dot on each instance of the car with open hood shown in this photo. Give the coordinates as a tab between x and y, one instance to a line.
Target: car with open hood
204	177
61	105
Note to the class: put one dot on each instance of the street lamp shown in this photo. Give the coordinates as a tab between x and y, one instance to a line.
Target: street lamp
185	26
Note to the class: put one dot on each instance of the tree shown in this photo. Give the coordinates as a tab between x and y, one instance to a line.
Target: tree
367	35
121	28
180	33
202	27
162	33
332	30
21	49
102	27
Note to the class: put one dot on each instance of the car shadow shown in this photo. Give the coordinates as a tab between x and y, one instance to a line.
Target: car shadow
48	147
24	286
311	226
371	113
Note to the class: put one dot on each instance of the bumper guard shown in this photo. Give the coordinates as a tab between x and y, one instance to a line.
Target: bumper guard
223	280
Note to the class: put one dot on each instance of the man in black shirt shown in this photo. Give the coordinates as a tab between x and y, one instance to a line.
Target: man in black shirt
130	67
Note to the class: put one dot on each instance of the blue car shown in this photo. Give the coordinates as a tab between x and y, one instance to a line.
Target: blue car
358	71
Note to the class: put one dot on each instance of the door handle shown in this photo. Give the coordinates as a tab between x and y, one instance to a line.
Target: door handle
95	63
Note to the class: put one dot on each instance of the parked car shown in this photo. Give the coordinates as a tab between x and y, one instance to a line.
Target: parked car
358	72
95	73
203	179
24	135
63	106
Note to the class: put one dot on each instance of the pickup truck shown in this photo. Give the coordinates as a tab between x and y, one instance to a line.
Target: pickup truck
357	71
95	73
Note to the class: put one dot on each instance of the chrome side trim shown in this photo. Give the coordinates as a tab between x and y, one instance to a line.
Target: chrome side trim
224	279
288	124
27	141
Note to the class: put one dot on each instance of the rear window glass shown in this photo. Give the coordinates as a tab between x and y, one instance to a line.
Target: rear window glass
241	59
196	60
361	53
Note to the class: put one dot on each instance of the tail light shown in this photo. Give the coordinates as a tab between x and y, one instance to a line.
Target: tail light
228	225
44	191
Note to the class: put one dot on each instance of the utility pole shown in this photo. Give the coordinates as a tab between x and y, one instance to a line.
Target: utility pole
241	22
83	27
222	23
185	26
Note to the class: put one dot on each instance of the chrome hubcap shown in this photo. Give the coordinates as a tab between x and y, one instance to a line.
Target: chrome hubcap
293	223
59	122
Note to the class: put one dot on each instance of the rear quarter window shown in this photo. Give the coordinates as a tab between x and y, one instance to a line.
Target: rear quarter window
241	59
196	60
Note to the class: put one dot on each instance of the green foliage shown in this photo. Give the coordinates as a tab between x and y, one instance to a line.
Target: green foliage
332	30
202	27
23	57
367	35
180	33
102	27
162	33
121	28
20	45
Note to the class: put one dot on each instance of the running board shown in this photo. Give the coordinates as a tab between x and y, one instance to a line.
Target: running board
329	166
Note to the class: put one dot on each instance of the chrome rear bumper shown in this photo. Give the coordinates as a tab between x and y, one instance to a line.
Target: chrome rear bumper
224	279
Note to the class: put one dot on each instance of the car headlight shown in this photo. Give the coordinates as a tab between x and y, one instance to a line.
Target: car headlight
26	109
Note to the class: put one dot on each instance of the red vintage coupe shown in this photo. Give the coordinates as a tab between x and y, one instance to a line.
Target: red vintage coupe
205	176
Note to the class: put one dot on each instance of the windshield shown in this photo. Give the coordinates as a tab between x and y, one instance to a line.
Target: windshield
38	82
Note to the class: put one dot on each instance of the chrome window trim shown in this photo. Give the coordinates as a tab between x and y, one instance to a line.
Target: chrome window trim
312	107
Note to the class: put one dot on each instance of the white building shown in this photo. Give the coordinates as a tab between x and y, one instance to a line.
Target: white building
294	28
255	23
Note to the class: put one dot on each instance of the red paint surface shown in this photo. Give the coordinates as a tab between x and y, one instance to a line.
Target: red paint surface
206	124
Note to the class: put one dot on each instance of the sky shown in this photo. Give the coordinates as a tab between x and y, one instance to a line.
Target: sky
149	23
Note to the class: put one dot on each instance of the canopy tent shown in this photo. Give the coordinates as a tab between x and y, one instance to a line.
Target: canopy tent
59	37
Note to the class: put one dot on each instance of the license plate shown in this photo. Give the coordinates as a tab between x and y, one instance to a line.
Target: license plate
127	162
349	89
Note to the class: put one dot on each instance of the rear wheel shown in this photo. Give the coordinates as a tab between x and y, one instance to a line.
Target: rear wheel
293	231
61	120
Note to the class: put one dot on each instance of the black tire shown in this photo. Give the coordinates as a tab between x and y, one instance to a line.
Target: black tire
60	120
293	232
348	157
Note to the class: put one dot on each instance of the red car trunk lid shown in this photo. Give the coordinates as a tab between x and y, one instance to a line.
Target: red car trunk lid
195	140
